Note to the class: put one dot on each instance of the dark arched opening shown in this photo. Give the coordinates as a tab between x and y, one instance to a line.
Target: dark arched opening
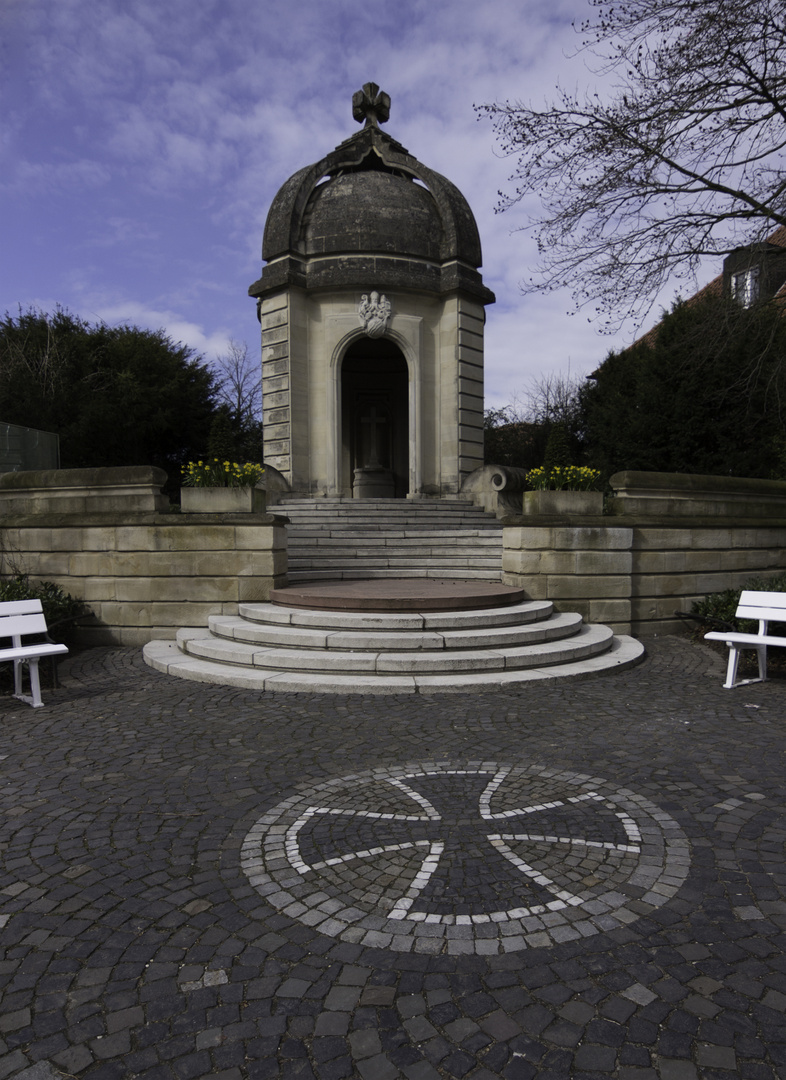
375	421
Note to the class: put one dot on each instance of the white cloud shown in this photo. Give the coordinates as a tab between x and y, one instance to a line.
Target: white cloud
132	312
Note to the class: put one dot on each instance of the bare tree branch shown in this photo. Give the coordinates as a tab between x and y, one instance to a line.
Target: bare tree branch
240	383
685	156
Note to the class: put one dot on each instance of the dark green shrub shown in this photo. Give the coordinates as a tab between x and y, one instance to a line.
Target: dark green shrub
58	605
222	442
719	608
517	444
700	393
558	448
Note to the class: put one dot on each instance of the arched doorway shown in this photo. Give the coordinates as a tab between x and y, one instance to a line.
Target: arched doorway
375	420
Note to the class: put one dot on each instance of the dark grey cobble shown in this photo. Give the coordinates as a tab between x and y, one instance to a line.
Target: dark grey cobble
153	926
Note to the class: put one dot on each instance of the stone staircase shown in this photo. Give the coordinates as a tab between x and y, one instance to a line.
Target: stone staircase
343	538
271	647
305	645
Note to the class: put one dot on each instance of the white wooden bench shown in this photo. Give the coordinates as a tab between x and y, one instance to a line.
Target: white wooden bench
20	619
766	607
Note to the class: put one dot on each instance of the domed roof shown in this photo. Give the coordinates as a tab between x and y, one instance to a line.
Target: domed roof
372	210
383	215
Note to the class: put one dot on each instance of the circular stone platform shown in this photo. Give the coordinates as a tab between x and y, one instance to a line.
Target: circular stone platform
398	594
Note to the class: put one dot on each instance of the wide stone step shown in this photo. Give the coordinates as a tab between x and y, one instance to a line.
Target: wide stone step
422	553
395	551
448	564
344	539
360	506
358	574
329	537
385	514
369	529
165	656
479	520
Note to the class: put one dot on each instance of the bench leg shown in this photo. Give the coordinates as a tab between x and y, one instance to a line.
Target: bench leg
35	683
18	678
731	671
761	656
734	659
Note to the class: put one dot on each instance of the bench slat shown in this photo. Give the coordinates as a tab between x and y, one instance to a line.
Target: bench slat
770	606
775	599
746	639
16	625
20	607
24	652
769	614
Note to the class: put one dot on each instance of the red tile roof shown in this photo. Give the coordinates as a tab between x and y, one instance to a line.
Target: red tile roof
715	288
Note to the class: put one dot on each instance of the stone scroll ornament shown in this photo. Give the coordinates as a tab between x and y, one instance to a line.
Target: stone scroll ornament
374	312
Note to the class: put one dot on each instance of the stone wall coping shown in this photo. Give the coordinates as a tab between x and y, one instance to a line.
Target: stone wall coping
691	486
645	521
120	476
118	520
577	521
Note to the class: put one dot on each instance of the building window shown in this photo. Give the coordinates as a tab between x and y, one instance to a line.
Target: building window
745	286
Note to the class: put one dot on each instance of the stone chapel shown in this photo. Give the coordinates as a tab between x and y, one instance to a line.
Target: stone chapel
372	310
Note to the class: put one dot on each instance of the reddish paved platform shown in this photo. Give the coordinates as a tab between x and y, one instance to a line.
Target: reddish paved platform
398	594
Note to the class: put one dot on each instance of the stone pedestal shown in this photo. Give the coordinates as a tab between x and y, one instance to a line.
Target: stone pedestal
370	483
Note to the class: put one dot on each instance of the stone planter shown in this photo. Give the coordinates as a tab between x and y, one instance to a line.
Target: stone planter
563	503
222	500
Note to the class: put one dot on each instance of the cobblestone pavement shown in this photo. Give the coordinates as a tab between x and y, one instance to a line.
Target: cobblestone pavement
561	881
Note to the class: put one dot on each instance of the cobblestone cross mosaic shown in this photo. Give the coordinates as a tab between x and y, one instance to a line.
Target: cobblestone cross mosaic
476	857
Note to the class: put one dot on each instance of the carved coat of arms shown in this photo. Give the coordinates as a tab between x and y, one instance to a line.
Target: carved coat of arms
374	312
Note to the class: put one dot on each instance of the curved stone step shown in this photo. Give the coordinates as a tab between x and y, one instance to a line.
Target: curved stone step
589	641
165	656
463	619
303	637
386	637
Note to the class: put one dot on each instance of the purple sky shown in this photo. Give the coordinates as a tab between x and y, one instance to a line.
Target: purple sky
143	141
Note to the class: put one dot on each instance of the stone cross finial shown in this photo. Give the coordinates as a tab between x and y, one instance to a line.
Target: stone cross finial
371	104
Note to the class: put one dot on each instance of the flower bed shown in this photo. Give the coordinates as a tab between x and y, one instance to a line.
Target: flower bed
215	473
